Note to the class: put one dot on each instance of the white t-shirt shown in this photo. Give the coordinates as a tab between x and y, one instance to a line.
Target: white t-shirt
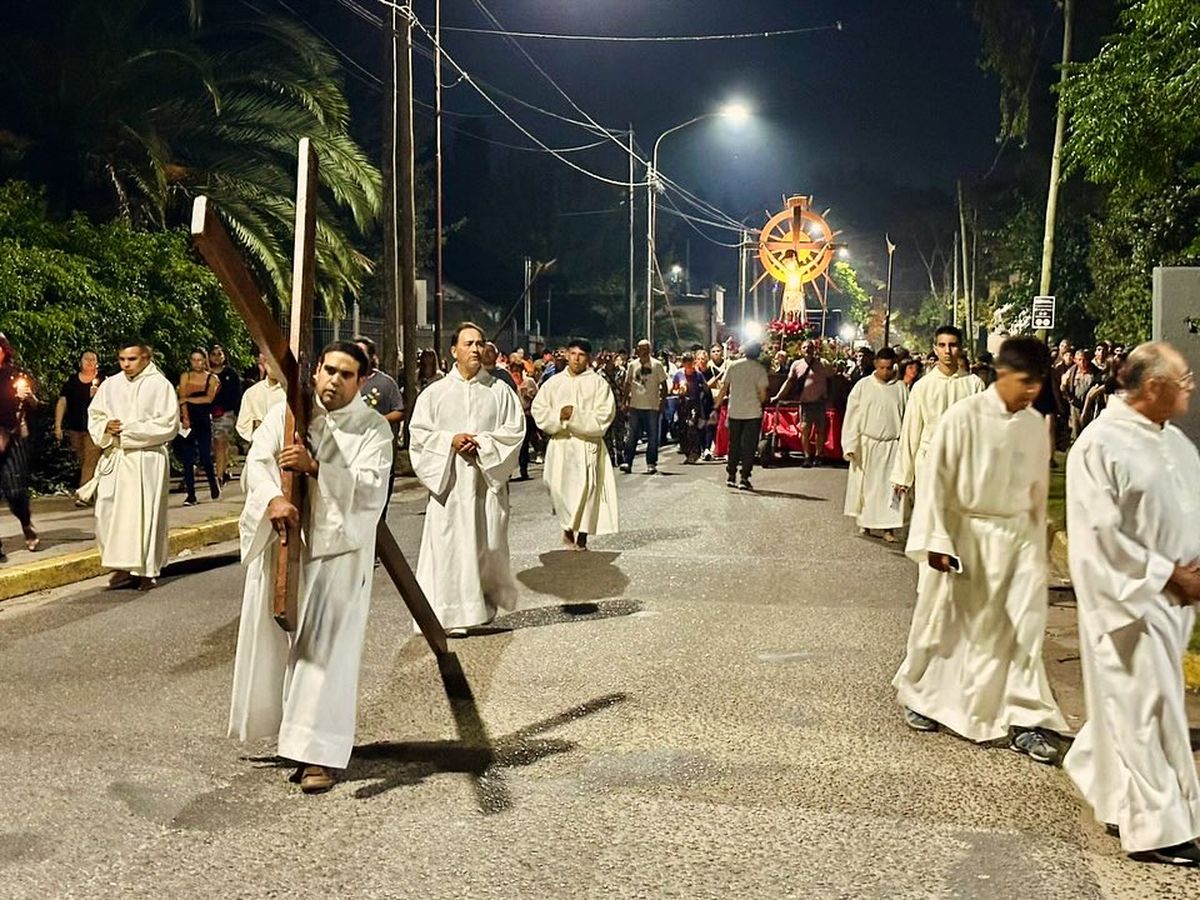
645	388
744	379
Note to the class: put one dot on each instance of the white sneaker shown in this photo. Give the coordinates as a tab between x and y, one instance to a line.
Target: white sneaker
651	470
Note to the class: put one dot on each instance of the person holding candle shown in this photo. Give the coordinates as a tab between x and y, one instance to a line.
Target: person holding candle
17	401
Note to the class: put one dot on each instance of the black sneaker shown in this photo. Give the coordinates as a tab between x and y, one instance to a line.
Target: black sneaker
731	482
191	501
745	485
1185	854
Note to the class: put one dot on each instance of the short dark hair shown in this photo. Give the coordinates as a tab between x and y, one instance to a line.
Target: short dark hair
948	329
462	326
688	357
126	343
366	342
580	344
886	353
350	349
1024	354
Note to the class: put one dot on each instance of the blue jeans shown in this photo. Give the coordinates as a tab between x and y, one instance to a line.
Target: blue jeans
642	421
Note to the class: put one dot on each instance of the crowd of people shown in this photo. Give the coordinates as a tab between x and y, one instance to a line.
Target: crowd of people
958	453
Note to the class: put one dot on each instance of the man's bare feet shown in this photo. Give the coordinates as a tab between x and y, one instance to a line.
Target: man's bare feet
889	536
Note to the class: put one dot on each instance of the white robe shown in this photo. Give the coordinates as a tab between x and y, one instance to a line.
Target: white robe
578	471
464	564
928	399
1133	502
303	687
132	477
259	397
871	440
974	660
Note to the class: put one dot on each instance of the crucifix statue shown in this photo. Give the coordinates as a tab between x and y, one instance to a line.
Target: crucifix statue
288	359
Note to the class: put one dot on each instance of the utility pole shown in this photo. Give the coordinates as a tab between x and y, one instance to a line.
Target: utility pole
439	294
632	251
966	274
742	270
400	225
528	304
1060	126
887	319
651	174
954	314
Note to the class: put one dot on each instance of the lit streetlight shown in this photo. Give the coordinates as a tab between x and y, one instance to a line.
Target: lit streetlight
738	114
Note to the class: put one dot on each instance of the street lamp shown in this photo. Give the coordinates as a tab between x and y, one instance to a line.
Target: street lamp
737	113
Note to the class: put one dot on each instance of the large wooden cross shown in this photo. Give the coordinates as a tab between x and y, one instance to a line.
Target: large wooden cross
289	363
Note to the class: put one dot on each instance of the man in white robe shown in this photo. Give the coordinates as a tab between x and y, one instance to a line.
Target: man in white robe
574	409
465	438
132	419
303	686
930	397
870	442
1133	504
974	660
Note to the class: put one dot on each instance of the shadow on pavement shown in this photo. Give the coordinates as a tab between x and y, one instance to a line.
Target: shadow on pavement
573	576
785	495
560	614
387	765
195	565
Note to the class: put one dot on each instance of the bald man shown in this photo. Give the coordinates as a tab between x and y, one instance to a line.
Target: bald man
1132	506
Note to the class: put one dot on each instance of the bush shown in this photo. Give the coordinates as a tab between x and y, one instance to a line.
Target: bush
67	287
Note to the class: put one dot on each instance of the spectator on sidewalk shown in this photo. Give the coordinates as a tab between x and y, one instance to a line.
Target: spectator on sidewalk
1131	515
18	398
527	388
70	416
224	409
491	354
692	390
380	392
645	394
745	386
133	418
1075	387
197	390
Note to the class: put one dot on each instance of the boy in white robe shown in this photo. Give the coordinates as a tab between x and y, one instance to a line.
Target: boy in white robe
930	397
465	438
870	442
975	663
303	686
1132	510
132	419
574	409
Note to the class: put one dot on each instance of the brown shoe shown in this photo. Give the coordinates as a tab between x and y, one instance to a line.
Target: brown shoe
315	779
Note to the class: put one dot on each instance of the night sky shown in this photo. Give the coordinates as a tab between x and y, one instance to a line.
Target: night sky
858	117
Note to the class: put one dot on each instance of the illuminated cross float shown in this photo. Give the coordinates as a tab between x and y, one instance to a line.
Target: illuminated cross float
796	248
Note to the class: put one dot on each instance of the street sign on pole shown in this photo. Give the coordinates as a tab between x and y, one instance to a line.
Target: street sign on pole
1043	313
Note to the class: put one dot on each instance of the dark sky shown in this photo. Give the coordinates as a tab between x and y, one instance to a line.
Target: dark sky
895	97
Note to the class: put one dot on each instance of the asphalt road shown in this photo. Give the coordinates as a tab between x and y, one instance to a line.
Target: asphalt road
699	707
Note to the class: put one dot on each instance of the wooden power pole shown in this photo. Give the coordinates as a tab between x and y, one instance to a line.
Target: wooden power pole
399	209
1060	127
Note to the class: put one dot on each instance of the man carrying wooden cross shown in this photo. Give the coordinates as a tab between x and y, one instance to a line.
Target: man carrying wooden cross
303	685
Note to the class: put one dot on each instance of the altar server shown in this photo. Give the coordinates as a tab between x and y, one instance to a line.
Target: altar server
870	442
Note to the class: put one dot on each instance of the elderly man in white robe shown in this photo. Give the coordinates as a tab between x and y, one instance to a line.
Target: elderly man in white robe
132	419
574	409
974	664
465	438
870	442
303	687
1132	508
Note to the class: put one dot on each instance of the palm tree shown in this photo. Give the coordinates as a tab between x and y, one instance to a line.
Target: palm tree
133	107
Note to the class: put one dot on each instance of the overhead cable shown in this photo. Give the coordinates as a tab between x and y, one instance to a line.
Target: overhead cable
647	38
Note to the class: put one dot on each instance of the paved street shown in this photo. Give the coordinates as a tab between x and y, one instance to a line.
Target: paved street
700	707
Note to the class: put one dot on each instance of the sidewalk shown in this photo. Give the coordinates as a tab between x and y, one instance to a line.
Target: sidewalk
68	551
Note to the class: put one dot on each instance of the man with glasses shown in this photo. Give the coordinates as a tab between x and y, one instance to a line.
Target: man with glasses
645	396
1132	506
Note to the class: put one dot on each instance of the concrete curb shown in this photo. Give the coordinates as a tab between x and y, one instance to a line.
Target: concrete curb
1058	564
56	571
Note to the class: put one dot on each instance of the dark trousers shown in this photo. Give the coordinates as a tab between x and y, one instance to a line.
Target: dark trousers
743	442
642	421
528	445
14	480
197	447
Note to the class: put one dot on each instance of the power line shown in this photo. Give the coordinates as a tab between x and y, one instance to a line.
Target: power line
648	38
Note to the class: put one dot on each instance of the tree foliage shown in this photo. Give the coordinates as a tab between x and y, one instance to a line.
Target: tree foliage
131	108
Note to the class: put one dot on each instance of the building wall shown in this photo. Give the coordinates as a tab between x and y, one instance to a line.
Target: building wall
1177	321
